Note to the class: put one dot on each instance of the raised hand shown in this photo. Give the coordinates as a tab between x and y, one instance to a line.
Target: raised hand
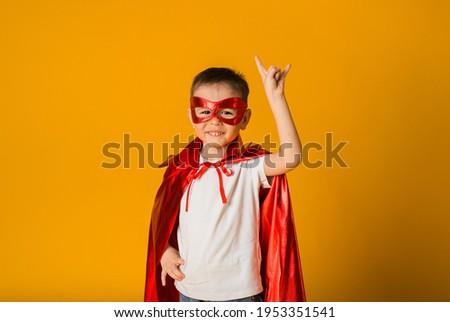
288	157
273	78
170	263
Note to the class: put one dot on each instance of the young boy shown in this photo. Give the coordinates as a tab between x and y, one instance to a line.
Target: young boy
220	231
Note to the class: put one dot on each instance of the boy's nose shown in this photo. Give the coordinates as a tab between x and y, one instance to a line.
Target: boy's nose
215	120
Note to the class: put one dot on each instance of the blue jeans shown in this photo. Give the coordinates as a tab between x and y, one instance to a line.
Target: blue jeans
254	298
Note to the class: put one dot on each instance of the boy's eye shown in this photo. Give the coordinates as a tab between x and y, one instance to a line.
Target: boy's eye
228	113
202	112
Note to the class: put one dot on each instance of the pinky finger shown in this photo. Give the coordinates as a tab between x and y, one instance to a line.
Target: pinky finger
285	71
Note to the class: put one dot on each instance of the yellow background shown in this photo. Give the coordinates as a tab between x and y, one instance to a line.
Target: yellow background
76	75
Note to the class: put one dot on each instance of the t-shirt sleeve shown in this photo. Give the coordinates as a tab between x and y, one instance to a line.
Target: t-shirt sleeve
255	168
262	176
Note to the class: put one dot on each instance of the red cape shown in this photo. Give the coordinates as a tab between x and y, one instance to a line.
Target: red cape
280	268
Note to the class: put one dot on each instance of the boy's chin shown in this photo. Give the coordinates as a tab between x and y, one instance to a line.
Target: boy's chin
218	144
217	141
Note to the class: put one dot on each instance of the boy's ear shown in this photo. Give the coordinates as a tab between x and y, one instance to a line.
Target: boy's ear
190	116
246	118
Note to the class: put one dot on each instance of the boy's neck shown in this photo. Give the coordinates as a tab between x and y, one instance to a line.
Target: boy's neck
215	152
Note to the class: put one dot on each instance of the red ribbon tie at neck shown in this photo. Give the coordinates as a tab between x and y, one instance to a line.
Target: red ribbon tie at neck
203	167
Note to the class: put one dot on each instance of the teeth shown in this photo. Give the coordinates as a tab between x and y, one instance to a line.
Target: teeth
215	133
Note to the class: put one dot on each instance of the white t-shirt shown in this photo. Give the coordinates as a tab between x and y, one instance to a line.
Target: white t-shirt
220	242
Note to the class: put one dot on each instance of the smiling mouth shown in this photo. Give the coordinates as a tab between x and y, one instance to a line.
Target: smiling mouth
215	133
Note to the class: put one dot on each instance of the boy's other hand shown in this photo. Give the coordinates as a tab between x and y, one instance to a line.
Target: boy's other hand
273	78
170	263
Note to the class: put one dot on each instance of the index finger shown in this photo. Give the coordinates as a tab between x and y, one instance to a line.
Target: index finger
260	66
163	277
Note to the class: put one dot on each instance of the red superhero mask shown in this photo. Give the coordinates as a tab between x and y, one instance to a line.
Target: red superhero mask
229	111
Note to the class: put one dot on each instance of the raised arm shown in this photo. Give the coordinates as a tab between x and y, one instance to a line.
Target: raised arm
289	151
